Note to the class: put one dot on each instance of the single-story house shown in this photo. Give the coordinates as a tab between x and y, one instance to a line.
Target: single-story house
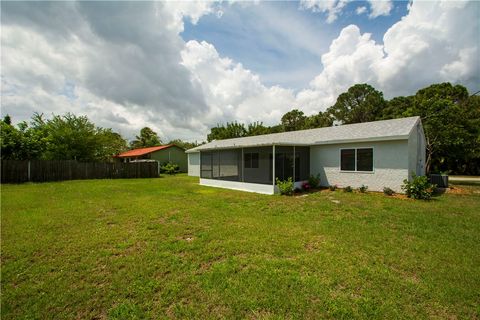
376	154
168	153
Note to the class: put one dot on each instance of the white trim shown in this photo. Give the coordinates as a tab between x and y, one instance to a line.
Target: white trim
356	171
238	185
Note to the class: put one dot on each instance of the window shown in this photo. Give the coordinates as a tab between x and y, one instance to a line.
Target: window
365	159
347	162
360	159
251	160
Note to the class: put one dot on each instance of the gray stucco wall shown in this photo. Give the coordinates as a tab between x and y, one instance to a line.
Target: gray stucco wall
194	164
390	165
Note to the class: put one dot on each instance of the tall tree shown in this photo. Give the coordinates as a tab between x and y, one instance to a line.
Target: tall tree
231	130
293	120
147	138
257	128
441	108
361	103
320	120
184	144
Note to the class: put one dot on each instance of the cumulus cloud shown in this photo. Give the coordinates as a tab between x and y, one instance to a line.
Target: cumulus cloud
361	10
121	56
332	8
380	8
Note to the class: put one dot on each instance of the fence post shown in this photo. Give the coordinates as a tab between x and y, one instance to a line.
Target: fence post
29	175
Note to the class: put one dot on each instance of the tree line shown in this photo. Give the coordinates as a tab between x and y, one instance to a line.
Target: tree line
69	137
450	117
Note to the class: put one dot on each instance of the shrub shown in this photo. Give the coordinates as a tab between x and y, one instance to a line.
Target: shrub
306	186
388	191
285	187
169	168
363	188
314	181
418	188
348	189
332	187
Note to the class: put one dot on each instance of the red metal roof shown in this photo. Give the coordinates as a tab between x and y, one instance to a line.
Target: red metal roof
142	151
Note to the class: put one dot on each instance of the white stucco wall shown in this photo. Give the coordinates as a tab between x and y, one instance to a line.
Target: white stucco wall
235	185
390	165
194	164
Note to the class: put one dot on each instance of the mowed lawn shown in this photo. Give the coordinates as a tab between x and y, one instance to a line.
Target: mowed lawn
168	248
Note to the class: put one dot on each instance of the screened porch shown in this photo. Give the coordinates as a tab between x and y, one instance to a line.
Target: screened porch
257	165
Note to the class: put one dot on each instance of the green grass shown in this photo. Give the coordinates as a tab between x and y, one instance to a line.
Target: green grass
168	248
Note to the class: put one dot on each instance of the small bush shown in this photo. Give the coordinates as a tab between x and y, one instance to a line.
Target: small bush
348	189
314	181
388	191
332	187
306	186
418	188
363	188
286	186
169	168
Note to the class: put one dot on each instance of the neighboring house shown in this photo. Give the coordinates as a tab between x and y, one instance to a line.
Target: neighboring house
376	154
168	153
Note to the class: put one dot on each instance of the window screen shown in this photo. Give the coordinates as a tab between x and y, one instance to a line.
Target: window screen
365	159
347	159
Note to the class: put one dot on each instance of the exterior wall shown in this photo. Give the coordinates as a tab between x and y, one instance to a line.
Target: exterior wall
390	165
416	151
173	154
242	186
194	164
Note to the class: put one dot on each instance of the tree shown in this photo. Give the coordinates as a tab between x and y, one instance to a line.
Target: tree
293	120
147	138
231	130
320	120
184	144
443	113
257	128
10	139
397	107
111	143
361	103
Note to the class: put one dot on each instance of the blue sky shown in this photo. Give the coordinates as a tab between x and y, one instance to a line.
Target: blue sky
250	35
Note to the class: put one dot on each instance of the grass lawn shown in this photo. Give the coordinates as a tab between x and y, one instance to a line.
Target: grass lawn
168	248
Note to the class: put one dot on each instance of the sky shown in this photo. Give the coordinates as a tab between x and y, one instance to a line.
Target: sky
183	67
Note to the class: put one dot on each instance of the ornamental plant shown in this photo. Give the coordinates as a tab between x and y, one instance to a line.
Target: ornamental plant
285	187
306	186
169	168
314	181
332	187
348	189
418	188
388	191
363	188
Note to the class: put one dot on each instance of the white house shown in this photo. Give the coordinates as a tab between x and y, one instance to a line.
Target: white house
376	154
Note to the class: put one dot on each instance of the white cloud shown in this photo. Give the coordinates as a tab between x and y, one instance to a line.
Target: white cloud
332	8
380	8
361	10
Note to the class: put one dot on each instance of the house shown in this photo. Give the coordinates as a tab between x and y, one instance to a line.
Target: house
168	153
375	154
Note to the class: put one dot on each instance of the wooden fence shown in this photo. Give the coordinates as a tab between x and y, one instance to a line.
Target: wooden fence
18	171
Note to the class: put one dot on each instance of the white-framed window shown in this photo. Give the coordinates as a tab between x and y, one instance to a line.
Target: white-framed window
356	159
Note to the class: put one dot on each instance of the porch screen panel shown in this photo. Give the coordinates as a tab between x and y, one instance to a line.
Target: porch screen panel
302	163
283	162
206	165
229	164
257	165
